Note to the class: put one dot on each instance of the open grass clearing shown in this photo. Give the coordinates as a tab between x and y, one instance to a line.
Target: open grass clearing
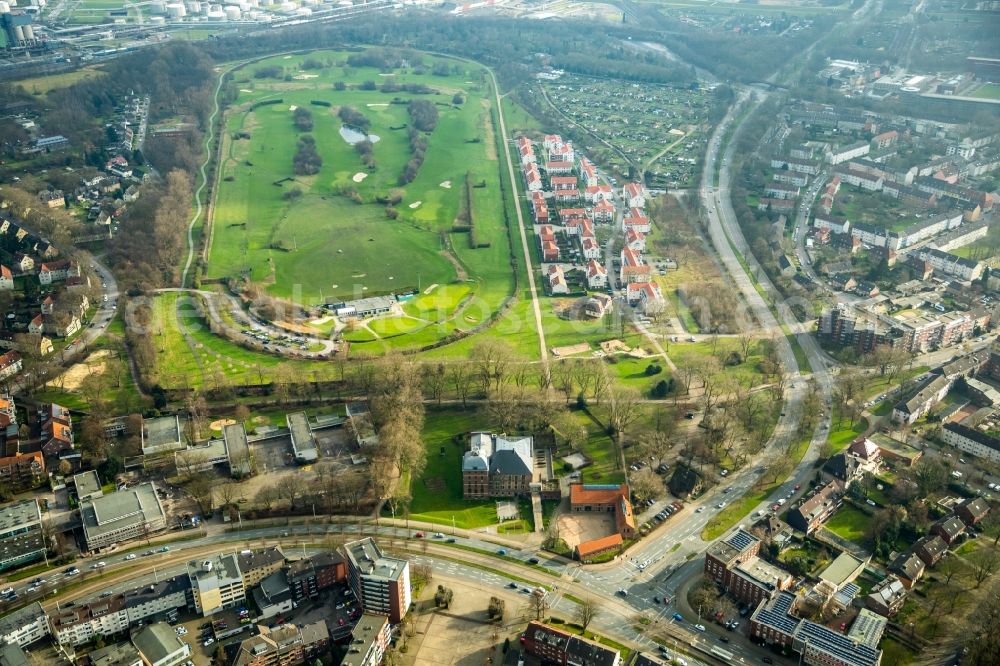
849	523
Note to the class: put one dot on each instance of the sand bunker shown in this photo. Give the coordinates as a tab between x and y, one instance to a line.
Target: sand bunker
416	204
219	424
676	132
303	77
321	320
359	176
244	90
292	107
446	184
376	104
288	57
431	288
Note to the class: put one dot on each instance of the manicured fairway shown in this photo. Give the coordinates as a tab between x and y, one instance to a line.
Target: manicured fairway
333	238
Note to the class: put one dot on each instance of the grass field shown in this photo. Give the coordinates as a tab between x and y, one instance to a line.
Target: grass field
336	241
849	523
43	85
988	91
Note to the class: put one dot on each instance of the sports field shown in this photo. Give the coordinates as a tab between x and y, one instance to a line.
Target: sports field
335	238
988	91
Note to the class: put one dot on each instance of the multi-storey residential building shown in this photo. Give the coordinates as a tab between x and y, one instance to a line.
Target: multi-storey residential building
495	466
811	512
369	641
556	646
286	645
21	538
379	582
887	596
256	565
25	626
733	564
951	265
216	584
76	624
849	152
22	471
122	516
774	623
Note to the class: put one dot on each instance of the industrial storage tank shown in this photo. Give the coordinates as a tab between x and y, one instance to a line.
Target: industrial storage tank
4	8
18	33
216	15
912	90
29	33
193	6
232	13
157	20
158	7
176	10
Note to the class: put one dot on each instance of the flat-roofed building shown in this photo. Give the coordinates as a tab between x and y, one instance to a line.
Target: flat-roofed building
160	645
380	583
216	584
162	434
303	442
369	641
21	539
256	565
122	516
119	654
238	450
25	625
87	485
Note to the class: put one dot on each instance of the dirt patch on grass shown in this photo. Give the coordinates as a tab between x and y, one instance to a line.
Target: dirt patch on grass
576	528
94	364
460	273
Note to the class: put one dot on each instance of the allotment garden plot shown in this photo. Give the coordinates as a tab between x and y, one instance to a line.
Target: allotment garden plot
335	186
659	128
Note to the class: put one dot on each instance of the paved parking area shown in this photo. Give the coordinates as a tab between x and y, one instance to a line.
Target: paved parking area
272	454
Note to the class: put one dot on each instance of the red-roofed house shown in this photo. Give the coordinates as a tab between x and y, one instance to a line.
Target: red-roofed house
633	269
567	215
558	168
551	141
604	211
562	153
597	276
10	364
885	139
57	271
588	550
589	172
6	278
635	239
564	184
557	280
532	178
634	195
595	193
579	227
637	222
37	325
642	294
527	154
550	251
585	498
591	248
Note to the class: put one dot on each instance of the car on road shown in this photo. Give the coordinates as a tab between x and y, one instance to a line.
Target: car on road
438	535
512	585
533	560
6	591
767	660
699	509
502	551
699	627
721	505
208	641
678	617
623	592
656	600
451	541
728	490
130	556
